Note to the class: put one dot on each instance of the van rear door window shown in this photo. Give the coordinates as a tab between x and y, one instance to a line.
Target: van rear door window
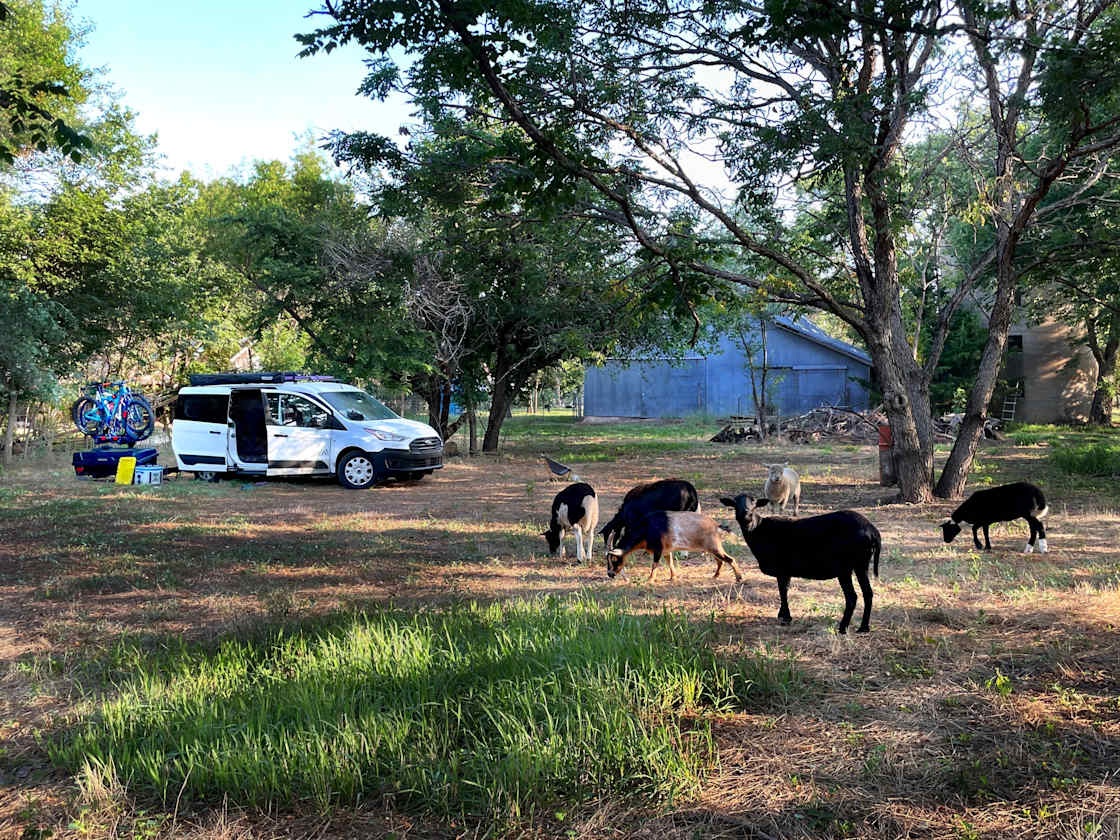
202	408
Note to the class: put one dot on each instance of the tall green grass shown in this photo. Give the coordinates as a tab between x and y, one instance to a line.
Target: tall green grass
495	711
1088	458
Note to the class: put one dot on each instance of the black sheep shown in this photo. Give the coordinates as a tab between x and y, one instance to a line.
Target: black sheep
833	545
641	501
1001	504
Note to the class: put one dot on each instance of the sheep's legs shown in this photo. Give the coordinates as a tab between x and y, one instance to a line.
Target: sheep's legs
865	588
987	546
653	566
783	610
849	601
1038	535
579	544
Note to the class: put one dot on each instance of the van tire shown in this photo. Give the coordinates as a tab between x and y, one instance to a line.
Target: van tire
356	471
207	475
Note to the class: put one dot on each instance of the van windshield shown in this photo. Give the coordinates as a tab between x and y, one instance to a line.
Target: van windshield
357	405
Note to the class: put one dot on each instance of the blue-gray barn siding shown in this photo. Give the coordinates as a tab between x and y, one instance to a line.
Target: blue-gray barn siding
806	375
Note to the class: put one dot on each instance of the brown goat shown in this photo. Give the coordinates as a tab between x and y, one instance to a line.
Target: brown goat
664	532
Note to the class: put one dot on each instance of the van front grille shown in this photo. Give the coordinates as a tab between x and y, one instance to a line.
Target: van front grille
423	446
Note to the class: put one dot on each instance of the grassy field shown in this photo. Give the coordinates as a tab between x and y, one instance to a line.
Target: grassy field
290	659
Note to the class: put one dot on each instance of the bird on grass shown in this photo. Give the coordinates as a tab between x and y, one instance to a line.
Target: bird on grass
558	471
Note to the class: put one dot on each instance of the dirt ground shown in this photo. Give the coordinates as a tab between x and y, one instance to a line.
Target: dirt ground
985	702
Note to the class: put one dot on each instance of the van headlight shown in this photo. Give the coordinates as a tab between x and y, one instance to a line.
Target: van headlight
380	435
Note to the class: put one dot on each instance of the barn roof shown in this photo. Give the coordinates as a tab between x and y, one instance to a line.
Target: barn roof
807	329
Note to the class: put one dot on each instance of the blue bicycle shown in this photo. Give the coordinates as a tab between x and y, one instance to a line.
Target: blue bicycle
113	410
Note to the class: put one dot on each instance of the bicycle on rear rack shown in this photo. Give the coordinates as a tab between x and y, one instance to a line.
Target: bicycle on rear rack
112	410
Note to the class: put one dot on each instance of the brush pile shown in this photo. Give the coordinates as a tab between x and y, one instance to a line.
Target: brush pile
835	424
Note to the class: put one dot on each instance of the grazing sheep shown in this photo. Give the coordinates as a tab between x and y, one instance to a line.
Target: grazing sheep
575	508
782	484
640	501
1001	504
832	545
663	532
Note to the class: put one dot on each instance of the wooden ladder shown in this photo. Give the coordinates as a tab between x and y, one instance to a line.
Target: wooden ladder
1009	404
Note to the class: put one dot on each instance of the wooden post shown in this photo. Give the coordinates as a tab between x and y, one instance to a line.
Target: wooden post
888	475
472	425
9	433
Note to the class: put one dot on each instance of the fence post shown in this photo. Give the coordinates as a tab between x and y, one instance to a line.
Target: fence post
888	476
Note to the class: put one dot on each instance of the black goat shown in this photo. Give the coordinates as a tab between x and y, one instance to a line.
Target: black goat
1001	504
833	545
641	501
575	508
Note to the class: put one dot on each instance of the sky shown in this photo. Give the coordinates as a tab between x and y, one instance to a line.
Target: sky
219	80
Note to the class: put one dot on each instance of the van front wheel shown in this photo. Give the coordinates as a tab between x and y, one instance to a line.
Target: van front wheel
356	471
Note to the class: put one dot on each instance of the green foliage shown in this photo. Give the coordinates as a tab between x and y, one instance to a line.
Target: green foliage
471	711
41	83
1101	458
959	362
273	230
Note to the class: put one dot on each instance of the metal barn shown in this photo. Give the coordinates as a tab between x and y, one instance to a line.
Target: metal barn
807	368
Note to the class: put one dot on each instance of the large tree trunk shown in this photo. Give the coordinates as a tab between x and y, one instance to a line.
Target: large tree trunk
499	408
1101	412
444	410
433	396
9	432
955	474
1103	394
905	390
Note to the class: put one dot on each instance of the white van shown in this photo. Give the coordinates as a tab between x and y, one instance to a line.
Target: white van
288	424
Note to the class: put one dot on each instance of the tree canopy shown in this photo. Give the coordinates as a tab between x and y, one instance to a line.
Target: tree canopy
806	112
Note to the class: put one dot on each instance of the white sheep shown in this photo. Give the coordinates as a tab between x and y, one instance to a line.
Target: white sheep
781	485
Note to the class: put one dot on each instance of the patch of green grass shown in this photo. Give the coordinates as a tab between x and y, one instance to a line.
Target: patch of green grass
1099	459
487	712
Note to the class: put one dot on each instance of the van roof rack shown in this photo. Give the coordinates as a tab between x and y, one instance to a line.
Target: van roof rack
257	377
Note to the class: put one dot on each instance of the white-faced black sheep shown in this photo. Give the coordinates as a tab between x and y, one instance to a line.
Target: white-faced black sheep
575	508
1001	504
663	532
833	545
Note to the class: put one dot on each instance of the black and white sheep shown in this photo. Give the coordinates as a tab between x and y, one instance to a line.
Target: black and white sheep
575	508
640	501
663	532
833	545
1001	504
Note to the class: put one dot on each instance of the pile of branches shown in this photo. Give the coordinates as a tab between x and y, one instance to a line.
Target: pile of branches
826	422
947	426
831	422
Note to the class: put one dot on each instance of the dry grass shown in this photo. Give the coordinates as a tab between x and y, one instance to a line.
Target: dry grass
985	703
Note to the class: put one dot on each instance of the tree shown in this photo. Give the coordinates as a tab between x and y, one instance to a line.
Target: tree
1041	70
628	98
306	250
40	82
532	278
